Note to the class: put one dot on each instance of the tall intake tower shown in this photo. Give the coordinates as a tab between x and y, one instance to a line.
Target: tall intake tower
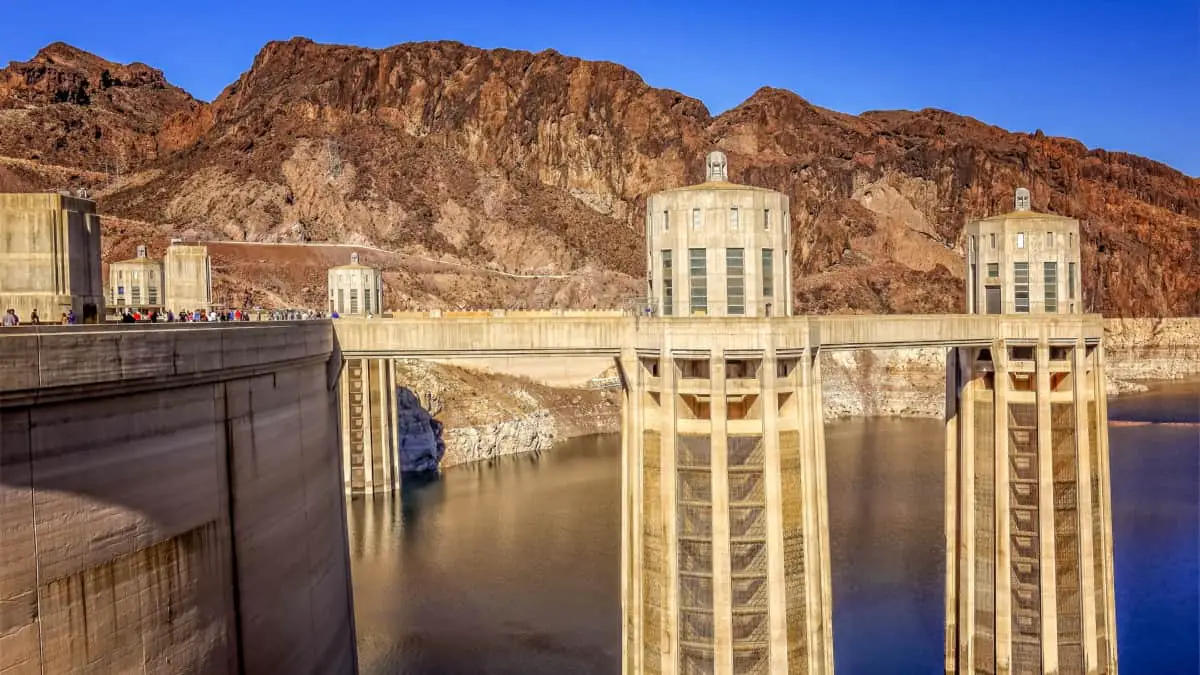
1029	568
725	552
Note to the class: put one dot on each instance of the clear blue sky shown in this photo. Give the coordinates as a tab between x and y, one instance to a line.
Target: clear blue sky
1117	74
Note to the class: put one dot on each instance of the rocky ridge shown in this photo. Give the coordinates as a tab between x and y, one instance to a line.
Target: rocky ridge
509	162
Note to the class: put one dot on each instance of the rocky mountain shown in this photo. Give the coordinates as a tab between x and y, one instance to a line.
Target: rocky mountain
498	177
68	108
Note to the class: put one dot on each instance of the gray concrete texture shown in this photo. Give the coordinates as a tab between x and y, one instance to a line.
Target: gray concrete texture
170	502
50	257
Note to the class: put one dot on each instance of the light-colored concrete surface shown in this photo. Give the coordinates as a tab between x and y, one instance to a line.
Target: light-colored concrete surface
726	416
485	337
718	249
355	289
50	257
136	283
1044	245
171	502
187	270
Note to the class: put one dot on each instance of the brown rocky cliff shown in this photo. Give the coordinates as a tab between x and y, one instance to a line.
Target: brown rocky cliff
540	163
68	107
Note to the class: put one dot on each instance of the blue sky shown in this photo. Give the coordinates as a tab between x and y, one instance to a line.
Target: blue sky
1121	75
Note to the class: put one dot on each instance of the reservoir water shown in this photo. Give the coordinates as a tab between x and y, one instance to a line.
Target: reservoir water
510	566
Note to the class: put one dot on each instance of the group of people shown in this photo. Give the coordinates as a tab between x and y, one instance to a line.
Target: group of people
11	318
129	315
196	315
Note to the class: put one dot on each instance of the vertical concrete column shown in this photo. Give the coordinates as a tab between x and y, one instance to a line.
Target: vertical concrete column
669	624
951	426
773	475
1046	530
825	579
1103	475
368	421
1000	385
393	438
964	367
384	415
626	363
344	414
1082	389
722	582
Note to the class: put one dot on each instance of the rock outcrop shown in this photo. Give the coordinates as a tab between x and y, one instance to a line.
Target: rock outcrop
480	415
506	162
418	433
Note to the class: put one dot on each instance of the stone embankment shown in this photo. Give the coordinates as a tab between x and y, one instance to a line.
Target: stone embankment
482	415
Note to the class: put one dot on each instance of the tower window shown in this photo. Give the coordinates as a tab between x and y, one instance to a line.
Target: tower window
696	222
1050	286
666	221
993	270
993	240
668	285
735	286
768	273
766	219
1071	280
1021	286
1020	240
733	219
698	275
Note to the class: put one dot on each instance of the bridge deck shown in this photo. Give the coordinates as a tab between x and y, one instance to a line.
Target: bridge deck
605	336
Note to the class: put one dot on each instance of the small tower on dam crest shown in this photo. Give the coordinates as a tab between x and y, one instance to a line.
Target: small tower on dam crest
355	289
718	248
725	551
1029	580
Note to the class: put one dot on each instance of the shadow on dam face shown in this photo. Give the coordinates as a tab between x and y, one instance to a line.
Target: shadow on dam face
170	501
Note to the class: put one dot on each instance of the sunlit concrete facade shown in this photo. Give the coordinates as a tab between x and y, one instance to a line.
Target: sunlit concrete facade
725	545
1029	566
718	249
725	528
187	272
50	257
136	283
355	289
1023	262
370	449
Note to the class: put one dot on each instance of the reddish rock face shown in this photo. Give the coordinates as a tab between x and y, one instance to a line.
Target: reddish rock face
69	108
513	162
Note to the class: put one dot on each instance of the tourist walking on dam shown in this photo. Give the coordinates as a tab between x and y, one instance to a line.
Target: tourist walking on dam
34	319
10	318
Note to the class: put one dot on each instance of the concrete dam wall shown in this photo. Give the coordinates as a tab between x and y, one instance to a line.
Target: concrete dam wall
171	501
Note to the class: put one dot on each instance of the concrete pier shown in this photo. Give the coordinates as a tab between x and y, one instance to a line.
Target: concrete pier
725	545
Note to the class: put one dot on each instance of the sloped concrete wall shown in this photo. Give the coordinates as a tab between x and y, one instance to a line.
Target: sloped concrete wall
170	501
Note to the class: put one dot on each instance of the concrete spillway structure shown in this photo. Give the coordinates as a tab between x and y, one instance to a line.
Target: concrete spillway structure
170	501
1029	568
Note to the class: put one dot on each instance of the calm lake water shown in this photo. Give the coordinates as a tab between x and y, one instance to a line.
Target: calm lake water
511	566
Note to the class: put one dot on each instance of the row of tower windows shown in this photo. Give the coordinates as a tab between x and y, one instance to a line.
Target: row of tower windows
1021	287
735	220
1051	240
735	280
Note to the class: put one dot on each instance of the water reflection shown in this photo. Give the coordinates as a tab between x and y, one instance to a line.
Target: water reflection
511	566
